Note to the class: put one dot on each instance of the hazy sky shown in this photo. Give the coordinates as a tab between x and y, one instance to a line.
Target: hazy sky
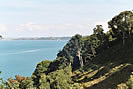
36	18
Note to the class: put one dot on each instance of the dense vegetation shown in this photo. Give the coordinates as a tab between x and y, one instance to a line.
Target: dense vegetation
99	61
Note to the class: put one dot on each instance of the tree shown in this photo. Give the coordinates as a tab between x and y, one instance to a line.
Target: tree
42	68
99	34
122	25
60	79
72	51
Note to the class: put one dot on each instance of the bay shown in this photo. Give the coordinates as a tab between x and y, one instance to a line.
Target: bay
20	57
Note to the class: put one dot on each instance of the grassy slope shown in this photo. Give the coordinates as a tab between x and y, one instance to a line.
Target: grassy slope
112	68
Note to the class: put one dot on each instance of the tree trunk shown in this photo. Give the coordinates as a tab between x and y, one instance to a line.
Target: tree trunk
80	58
93	51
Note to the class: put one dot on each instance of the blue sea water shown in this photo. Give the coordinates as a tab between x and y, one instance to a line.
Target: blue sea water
20	57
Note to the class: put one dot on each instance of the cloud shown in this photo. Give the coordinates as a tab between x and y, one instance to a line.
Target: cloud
123	1
3	28
37	30
48	27
31	29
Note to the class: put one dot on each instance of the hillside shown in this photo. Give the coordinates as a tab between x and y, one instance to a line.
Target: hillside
112	71
99	61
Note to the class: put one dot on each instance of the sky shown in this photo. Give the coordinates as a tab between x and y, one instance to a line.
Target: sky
57	18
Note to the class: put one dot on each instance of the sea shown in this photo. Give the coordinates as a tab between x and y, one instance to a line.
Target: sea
20	57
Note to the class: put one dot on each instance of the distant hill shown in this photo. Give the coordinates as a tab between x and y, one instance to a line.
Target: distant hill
42	38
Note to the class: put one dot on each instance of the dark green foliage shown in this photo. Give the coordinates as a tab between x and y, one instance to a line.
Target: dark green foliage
42	67
71	47
58	63
99	34
122	26
94	43
50	79
60	79
72	51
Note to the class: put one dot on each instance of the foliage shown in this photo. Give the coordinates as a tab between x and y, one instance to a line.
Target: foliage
26	84
130	82
2	83
43	83
60	79
122	25
70	51
20	83
58	63
42	67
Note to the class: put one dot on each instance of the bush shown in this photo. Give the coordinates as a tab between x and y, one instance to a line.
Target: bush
42	67
60	79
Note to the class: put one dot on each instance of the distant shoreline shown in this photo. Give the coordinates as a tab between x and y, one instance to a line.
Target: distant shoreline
39	38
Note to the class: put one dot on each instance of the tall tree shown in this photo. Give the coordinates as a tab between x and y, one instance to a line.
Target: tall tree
73	49
99	34
122	25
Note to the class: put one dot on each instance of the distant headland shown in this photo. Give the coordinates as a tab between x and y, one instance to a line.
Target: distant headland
39	38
